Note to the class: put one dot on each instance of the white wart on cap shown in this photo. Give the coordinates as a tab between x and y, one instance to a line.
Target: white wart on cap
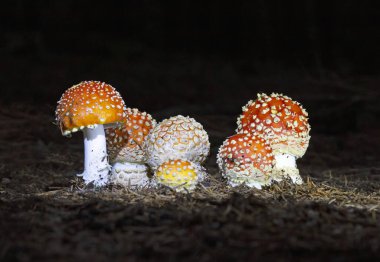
178	137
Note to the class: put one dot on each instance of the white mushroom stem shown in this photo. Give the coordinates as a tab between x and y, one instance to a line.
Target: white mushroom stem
130	174
285	160
96	167
286	167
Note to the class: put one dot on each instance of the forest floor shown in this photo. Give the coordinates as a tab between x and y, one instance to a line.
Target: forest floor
47	214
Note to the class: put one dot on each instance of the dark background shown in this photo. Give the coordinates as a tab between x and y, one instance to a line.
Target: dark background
186	51
204	59
198	57
210	56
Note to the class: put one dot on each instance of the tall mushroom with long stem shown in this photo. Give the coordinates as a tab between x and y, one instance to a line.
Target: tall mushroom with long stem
284	123
91	106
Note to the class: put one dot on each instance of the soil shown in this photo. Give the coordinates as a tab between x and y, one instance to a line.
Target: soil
46	213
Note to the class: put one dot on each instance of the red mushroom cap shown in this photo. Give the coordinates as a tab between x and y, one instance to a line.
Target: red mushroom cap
87	104
125	143
244	156
282	121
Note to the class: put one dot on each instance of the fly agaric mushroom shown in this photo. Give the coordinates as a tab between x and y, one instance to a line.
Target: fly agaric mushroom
178	137
284	123
91	106
125	147
246	159
180	175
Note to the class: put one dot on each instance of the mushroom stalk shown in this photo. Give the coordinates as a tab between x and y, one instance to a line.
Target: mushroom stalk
96	167
286	166
130	174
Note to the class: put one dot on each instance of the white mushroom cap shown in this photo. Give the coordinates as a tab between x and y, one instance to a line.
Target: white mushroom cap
178	137
130	174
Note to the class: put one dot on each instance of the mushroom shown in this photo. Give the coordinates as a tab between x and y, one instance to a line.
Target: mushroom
125	147
284	123
91	106
180	175
246	159
178	137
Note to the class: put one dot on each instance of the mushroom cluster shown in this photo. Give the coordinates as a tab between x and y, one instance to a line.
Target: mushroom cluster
283	125
131	140
175	150
125	148
272	133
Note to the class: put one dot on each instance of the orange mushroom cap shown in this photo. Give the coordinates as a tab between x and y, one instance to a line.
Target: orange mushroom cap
244	156
87	104
282	121
125	143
